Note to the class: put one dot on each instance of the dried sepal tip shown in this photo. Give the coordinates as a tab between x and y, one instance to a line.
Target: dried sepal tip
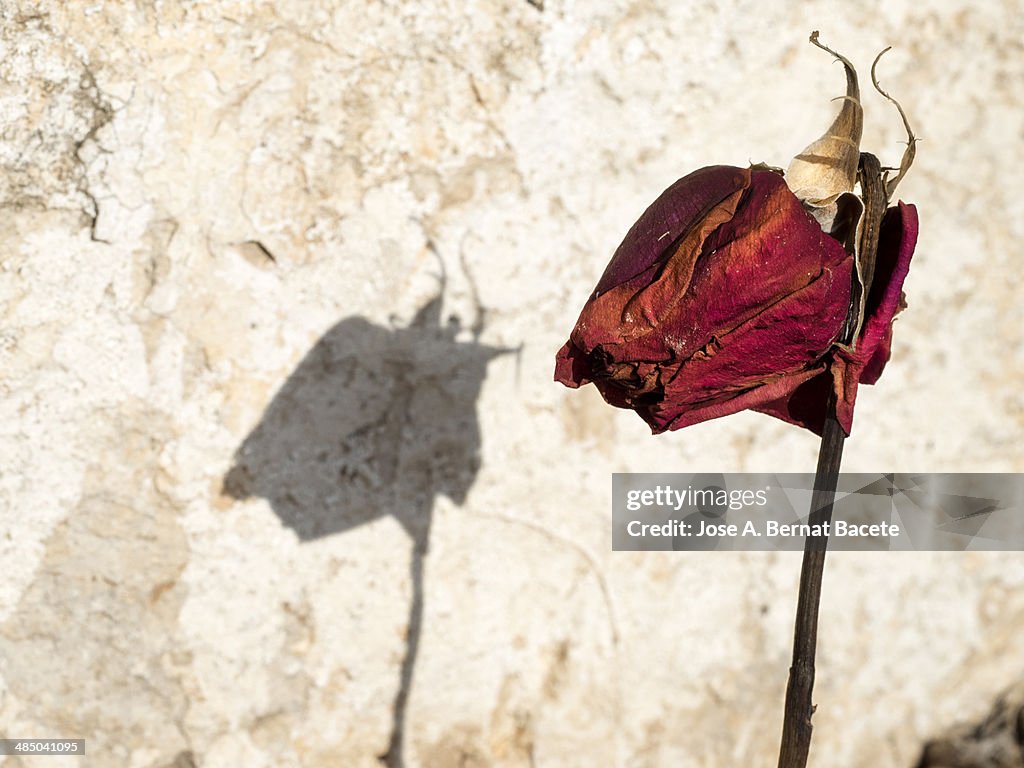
911	150
828	167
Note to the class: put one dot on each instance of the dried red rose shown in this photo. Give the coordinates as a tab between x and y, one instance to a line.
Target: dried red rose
728	294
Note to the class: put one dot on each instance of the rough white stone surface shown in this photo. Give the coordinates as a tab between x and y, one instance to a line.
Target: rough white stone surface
195	193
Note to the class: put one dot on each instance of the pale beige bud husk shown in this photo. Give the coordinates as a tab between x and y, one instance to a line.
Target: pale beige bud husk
828	167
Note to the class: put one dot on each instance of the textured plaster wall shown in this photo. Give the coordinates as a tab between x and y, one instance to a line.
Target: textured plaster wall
250	440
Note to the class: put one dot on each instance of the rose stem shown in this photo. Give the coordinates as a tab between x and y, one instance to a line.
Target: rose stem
876	191
796	724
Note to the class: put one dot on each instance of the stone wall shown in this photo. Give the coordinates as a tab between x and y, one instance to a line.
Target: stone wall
251	248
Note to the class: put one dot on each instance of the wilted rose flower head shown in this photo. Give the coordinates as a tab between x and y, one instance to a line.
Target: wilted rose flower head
733	291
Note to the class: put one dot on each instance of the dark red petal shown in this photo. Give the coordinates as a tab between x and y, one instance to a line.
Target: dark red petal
783	342
746	254
758	399
804	405
770	249
571	366
876	363
865	364
896	243
668	218
628	314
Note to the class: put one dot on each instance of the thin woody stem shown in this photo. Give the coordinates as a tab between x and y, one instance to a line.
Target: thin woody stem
796	726
799	707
